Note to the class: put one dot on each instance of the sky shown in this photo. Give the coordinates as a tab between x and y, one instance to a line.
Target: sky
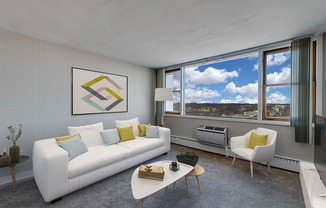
236	80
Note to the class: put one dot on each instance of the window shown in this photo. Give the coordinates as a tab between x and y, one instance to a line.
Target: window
224	88
252	86
276	84
173	80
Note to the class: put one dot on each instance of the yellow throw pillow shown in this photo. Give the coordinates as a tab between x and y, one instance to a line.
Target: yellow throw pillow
142	129
126	133
64	138
257	140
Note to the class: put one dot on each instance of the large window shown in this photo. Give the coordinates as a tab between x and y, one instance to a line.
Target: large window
251	86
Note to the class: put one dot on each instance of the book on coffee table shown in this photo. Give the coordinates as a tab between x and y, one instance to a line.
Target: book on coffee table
151	172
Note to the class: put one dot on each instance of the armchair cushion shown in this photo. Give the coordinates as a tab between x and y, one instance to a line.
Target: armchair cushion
257	140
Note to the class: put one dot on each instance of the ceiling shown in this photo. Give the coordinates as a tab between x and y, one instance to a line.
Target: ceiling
158	33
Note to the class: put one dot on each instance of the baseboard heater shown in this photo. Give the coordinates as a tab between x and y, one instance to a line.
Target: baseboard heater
212	135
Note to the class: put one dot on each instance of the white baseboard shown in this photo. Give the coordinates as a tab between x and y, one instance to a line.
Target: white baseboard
4	180
194	144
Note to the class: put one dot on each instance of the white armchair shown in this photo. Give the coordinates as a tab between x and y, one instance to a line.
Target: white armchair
239	146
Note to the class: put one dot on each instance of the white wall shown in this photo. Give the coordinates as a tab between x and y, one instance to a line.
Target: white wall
35	90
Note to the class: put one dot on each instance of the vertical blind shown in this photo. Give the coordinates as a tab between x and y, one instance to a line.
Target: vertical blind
300	89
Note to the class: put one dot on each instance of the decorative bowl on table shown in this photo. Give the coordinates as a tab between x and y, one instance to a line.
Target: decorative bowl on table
188	157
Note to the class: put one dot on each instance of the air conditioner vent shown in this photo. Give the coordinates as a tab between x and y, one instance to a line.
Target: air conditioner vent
212	135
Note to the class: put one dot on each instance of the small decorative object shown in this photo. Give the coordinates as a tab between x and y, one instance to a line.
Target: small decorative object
174	166
151	172
14	150
188	157
4	158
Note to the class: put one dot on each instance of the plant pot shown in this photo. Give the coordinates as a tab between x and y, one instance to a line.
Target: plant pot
14	153
190	160
5	160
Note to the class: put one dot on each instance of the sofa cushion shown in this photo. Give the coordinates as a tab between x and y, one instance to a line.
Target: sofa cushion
142	129
141	144
131	122
90	134
96	157
152	132
126	133
64	138
110	136
74	146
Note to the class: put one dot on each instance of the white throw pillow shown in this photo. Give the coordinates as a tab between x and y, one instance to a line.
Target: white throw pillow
126	123
89	134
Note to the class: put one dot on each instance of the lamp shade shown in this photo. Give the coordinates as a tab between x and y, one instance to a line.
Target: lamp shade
163	94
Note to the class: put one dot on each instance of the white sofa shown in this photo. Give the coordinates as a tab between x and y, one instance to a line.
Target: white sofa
56	176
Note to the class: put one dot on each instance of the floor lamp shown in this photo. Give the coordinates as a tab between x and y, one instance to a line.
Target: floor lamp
163	94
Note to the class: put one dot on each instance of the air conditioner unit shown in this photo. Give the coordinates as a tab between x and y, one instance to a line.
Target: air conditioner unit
212	135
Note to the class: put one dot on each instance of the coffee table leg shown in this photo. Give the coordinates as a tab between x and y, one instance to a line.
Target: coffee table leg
13	177
187	185
141	203
198	184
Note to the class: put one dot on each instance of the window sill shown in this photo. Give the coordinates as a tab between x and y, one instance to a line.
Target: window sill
276	123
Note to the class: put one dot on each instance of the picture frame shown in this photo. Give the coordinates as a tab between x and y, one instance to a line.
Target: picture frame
95	92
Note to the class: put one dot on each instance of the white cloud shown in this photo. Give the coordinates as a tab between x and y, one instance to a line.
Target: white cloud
200	95
231	88
255	67
277	59
209	75
250	89
282	77
247	93
277	97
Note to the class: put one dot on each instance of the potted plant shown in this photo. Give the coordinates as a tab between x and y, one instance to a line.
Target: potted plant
13	136
188	157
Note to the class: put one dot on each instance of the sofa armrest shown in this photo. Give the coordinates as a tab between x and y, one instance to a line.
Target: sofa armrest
50	169
165	133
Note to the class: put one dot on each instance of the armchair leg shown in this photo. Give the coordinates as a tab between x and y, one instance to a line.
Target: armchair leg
234	157
268	167
252	168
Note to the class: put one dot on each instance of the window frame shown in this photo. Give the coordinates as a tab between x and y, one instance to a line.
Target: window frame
174	91
265	85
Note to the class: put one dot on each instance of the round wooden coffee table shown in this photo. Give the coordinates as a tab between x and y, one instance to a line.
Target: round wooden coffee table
197	171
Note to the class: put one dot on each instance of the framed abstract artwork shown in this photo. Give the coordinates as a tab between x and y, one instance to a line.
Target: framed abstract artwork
96	92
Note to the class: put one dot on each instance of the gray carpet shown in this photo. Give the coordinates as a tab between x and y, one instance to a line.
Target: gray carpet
223	186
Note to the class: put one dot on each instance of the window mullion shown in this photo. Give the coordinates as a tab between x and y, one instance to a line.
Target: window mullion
182	91
260	85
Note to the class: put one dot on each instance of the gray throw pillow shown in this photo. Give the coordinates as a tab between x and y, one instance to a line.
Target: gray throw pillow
152	132
110	136
73	146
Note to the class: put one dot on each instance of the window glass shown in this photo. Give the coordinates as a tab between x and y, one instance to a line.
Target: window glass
173	80
226	88
277	86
